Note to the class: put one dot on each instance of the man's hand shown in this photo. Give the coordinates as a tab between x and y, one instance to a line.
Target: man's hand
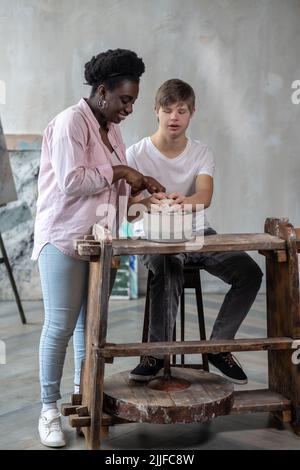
157	198
178	198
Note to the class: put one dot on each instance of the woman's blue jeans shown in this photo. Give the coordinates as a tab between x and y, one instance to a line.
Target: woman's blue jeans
64	285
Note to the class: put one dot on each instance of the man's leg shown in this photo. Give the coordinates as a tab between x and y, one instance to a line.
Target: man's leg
244	275
150	365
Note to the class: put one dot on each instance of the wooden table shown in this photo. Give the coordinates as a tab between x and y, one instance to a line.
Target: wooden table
279	244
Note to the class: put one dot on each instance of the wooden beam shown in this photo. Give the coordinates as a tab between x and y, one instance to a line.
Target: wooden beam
222	242
79	421
278	255
283	302
67	409
264	400
194	347
76	399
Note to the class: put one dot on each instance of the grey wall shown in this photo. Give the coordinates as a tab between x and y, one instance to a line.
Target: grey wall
241	57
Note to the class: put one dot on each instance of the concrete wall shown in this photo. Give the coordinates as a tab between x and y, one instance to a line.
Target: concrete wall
240	56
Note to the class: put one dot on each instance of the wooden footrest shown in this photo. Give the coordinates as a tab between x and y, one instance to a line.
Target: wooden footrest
85	421
79	421
194	347
67	409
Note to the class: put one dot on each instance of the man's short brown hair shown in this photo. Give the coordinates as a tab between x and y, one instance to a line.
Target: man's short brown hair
174	91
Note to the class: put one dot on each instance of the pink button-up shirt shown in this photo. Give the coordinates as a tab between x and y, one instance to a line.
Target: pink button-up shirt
75	180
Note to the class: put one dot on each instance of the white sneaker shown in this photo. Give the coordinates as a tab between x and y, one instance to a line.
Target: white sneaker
51	434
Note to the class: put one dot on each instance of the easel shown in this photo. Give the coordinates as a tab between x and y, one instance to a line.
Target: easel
8	194
4	259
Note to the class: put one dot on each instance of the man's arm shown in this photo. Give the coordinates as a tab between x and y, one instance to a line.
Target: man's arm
204	192
203	195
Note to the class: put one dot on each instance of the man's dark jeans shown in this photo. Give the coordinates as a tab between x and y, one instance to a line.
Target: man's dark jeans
235	268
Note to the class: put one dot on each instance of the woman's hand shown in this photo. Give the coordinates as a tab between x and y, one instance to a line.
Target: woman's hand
139	182
135	179
153	186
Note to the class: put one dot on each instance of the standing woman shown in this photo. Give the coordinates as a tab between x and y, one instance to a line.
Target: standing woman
83	168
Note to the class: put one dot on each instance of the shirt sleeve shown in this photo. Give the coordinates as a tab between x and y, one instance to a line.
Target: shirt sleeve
206	163
68	158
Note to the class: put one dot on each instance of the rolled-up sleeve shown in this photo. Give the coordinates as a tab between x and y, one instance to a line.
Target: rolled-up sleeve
206	162
69	159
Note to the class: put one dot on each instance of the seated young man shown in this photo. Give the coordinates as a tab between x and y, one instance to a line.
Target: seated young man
186	168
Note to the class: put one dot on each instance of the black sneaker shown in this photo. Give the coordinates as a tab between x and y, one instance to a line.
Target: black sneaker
147	369
229	366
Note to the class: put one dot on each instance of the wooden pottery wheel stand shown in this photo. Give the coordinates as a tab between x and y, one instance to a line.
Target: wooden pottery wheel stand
188	395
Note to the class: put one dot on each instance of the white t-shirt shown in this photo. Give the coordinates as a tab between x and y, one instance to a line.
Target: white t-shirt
176	174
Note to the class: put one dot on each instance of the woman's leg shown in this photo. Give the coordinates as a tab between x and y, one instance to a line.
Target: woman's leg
64	281
79	345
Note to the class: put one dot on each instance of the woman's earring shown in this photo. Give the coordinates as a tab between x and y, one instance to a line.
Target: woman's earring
102	104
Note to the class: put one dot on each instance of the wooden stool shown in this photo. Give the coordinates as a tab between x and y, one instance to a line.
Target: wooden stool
192	280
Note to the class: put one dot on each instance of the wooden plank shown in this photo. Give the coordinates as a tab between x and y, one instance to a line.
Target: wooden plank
92	314
92	376
80	421
279	255
67	409
195	347
88	249
82	411
76	399
284	416
91	247
297	231
84	241
253	401
283	317
222	242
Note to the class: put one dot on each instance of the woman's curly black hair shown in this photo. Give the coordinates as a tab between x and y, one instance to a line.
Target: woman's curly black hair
112	67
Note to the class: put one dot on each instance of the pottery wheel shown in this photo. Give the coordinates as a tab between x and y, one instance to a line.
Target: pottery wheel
208	396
